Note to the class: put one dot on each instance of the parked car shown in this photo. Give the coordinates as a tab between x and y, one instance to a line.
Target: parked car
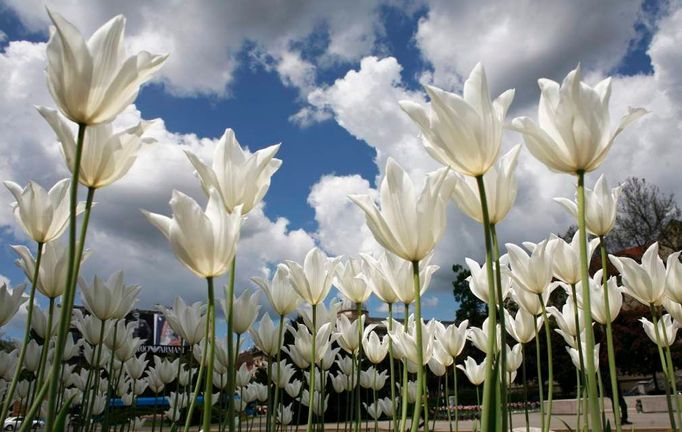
14	423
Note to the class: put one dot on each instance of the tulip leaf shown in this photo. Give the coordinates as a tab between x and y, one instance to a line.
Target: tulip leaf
60	422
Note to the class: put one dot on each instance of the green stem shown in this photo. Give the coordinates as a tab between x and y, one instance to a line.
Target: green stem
392	367
478	403
578	402
311	389
490	413
374	394
208	390
613	372
110	380
358	406
175	405
280	332
268	402
9	395
231	366
500	309
601	398
454	373
447	400
403	399
525	385
96	375
351	417
46	346
414	425
550	367
664	366
72	277
590	370
673	377
199	376
538	361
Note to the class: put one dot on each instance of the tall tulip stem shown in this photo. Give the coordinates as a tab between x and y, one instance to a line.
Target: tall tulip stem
550	366
199	375
490	413
392	367
208	390
447	400
231	366
613	372
9	395
72	277
590	369
673	377
664	366
414	426
403	399
500	307
280	335
46	344
538	362
358	406
525	386
311	390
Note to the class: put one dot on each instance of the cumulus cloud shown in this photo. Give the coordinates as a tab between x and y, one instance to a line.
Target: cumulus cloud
207	42
519	42
119	235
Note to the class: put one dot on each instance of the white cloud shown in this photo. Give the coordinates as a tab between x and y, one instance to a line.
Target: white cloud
119	235
519	42
206	41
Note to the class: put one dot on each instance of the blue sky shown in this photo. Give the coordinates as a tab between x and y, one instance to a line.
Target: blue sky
325	80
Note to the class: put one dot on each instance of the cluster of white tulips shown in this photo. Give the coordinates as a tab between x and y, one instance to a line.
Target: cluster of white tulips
92	81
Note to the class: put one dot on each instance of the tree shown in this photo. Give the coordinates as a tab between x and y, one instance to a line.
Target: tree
470	307
645	215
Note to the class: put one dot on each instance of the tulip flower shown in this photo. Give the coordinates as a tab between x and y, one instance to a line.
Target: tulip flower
245	311
293	388
373	274
373	409
566	263
373	379
10	301
120	335
375	349
673	277
324	314
104	299
241	178
453	337
480	336
396	273
265	338
601	206
338	383
574	132
135	366
40	321
92	329
345	364
598	305
463	132
348	333
531	272
320	380
474	371
350	283
575	356
53	267
93	81
667	330
500	189
299	358
32	359
386	405
205	242
285	415
478	282
440	360
514	357
319	404
303	341
283	374
243	376
187	321
405	341
329	358
565	318
645	282
408	224
673	308
43	215
313	280
523	326
107	156
529	301
411	391
280	292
